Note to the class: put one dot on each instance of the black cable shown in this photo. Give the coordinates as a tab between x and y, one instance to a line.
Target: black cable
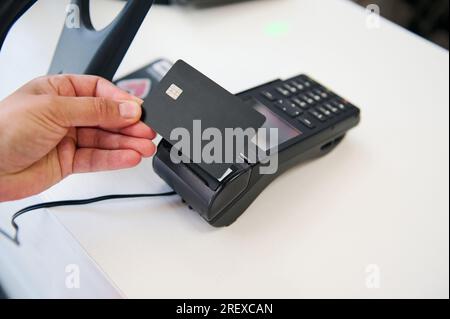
77	202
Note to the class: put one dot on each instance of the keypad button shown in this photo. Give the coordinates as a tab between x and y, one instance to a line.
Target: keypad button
298	85
306	82
268	95
313	96
318	115
321	93
307	99
291	104
290	88
281	104
289	107
300	103
293	110
283	91
307	122
339	104
325	111
331	108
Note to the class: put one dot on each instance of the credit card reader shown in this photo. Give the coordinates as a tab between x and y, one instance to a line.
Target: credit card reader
311	120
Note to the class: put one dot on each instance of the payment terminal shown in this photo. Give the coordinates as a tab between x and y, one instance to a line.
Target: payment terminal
311	120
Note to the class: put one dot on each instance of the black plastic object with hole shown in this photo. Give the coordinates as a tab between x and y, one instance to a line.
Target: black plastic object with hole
85	50
10	12
81	48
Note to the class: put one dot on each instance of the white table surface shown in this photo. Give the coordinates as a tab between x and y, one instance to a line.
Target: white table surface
380	198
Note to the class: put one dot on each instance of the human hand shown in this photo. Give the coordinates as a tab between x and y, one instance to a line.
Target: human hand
59	125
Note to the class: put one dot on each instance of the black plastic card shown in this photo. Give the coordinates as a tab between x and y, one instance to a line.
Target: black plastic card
142	81
186	100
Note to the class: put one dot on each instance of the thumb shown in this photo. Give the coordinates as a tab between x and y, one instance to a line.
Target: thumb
96	111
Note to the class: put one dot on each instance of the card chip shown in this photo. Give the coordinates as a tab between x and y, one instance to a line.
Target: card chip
174	91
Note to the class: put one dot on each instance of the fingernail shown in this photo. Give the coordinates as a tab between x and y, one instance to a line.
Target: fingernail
138	100
129	109
135	99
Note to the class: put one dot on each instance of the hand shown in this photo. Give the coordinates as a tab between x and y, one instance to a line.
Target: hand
59	125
